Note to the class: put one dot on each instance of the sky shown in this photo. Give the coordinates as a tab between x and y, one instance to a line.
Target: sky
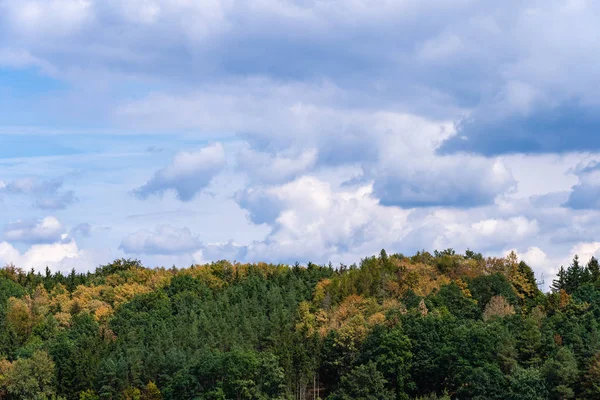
183	131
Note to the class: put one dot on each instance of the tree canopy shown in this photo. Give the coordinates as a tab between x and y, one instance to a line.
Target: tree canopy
431	326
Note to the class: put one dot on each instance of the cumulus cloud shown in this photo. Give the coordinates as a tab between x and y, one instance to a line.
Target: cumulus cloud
586	193
46	230
313	220
585	251
456	182
221	251
274	168
289	138
61	256
47	193
516	227
163	241
569	126
188	174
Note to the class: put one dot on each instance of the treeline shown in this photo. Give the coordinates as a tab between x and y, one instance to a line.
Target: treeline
430	326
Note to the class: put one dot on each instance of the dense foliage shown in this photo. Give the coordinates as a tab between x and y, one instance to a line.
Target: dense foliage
430	326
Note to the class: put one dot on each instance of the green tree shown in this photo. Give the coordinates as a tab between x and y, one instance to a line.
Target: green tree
390	349
561	374
527	384
560	283
594	270
364	382
31	378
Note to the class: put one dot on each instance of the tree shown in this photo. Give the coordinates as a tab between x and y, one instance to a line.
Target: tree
497	307
594	270
19	318
484	287
527	384
390	350
560	283
561	374
364	382
482	383
88	395
529	341
33	377
151	392
576	275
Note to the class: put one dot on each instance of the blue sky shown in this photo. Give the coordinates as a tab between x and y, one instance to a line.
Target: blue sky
178	131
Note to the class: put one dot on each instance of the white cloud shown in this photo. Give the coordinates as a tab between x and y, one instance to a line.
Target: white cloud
61	256
517	227
275	168
188	174
294	128
585	251
35	18
46	230
163	241
315	221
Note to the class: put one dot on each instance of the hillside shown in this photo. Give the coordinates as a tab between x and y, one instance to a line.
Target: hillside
440	325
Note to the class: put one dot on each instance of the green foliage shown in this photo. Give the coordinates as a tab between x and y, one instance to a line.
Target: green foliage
32	378
430	326
364	382
484	287
527	384
453	298
561	374
390	350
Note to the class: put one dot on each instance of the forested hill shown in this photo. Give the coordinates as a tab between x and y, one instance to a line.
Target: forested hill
429	326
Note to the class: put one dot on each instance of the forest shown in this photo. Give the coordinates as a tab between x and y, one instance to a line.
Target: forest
438	325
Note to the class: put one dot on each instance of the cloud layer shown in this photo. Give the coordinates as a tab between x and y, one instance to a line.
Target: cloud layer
315	130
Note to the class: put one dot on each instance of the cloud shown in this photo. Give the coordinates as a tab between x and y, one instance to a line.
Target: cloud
421	101
61	256
221	251
32	186
453	181
535	104
59	201
274	168
47	193
81	230
312	220
294	129
517	228
585	195
46	230
164	240
565	127
22	59
34	19
188	174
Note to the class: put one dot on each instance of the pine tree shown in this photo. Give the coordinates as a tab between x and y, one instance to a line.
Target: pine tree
560	282
575	276
594	270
